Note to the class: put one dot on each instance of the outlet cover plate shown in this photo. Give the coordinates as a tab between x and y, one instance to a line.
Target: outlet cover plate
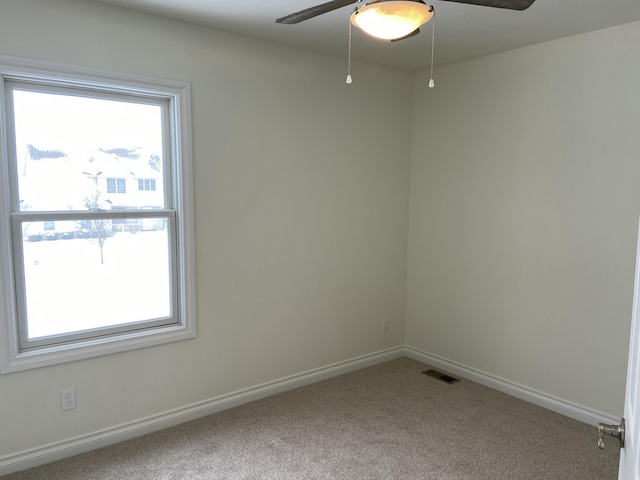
385	324
68	399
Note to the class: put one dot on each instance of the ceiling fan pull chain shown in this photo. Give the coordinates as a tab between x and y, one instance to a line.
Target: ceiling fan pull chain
349	79
433	40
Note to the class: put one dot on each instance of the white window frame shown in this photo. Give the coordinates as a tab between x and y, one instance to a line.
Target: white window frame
178	95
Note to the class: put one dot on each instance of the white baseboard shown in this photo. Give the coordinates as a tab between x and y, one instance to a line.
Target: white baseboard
563	407
109	436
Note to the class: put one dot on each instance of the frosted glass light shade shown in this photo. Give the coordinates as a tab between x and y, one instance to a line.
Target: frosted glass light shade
391	19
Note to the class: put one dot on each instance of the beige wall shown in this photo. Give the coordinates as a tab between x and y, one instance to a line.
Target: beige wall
525	196
301	216
523	216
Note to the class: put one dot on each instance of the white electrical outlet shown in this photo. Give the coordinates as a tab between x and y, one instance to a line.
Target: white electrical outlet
385	324
68	399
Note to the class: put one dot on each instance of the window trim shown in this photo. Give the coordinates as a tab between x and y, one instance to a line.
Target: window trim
178	94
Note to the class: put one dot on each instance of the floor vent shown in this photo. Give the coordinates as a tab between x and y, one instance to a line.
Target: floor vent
443	377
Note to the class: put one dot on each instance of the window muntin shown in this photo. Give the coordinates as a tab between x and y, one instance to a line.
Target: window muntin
60	202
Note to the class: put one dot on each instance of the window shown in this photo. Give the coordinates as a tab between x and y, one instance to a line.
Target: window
147	184
116	185
88	267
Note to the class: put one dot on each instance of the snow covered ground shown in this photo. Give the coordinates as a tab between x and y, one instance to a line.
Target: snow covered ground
70	290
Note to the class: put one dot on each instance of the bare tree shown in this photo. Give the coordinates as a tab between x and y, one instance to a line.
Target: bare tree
97	230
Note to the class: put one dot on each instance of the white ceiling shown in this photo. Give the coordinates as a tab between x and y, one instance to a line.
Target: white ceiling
463	31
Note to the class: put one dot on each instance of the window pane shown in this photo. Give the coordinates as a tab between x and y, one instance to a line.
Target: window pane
70	147
95	273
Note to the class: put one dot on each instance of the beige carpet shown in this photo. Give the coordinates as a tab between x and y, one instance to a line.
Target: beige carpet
384	422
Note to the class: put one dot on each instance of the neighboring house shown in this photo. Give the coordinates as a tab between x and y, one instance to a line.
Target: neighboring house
111	179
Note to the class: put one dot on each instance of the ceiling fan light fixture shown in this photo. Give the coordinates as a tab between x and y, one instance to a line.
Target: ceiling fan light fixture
391	19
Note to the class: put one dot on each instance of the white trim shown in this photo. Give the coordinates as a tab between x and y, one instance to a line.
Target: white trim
178	94
84	76
563	407
109	436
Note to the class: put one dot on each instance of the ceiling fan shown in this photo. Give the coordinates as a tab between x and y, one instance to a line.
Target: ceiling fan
392	19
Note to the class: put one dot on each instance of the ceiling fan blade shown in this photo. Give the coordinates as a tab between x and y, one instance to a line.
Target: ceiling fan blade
510	4
412	34
308	13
